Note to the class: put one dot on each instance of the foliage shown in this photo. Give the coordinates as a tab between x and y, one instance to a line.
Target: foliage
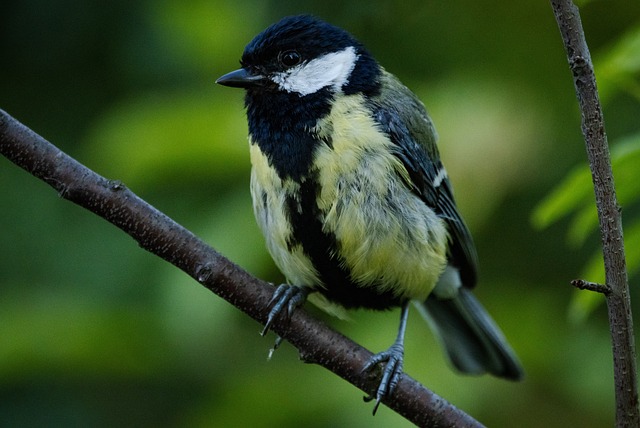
95	332
618	71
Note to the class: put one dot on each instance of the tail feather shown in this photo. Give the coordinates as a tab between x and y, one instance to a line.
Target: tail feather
473	342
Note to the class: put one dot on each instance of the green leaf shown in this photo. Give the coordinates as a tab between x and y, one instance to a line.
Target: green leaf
619	69
583	302
575	191
573	195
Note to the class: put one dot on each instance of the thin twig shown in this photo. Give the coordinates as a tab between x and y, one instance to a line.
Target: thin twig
581	284
618	302
160	235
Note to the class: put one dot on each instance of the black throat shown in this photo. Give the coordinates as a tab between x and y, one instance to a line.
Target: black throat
281	124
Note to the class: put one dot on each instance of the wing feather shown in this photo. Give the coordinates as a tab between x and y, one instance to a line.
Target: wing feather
404	118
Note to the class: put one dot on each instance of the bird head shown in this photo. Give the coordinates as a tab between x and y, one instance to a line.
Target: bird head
303	55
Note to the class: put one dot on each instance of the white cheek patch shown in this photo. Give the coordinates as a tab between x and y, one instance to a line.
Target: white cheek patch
332	69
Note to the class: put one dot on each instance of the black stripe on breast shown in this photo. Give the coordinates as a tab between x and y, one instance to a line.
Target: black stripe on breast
280	124
322	249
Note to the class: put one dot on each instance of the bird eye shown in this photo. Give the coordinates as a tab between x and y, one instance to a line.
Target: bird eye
289	58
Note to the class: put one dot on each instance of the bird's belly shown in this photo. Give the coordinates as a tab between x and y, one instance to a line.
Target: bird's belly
387	237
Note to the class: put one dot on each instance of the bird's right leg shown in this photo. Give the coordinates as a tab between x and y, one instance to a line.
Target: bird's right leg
285	300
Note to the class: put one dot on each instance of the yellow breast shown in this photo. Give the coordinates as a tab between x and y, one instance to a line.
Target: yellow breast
386	235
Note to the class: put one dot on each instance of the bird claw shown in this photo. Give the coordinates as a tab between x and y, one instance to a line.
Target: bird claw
286	298
276	345
392	372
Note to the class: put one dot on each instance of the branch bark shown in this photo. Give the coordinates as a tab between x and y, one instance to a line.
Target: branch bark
618	302
158	234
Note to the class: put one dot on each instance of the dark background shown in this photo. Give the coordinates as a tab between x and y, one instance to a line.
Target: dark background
96	332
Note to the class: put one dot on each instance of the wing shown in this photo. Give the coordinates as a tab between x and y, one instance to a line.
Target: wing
403	117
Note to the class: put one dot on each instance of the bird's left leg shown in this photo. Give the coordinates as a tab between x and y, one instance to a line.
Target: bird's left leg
393	357
285	300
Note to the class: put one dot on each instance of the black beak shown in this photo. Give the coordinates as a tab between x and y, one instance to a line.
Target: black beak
241	78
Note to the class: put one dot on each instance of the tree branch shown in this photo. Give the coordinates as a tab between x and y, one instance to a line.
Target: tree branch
581	284
163	237
618	302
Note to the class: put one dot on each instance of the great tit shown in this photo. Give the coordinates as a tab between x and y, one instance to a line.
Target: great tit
352	198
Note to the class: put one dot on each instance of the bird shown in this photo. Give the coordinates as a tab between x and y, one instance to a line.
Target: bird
355	205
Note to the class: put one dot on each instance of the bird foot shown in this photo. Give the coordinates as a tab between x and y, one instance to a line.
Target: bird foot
285	300
392	372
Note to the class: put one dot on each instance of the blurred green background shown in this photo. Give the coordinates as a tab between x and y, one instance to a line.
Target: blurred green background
96	332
